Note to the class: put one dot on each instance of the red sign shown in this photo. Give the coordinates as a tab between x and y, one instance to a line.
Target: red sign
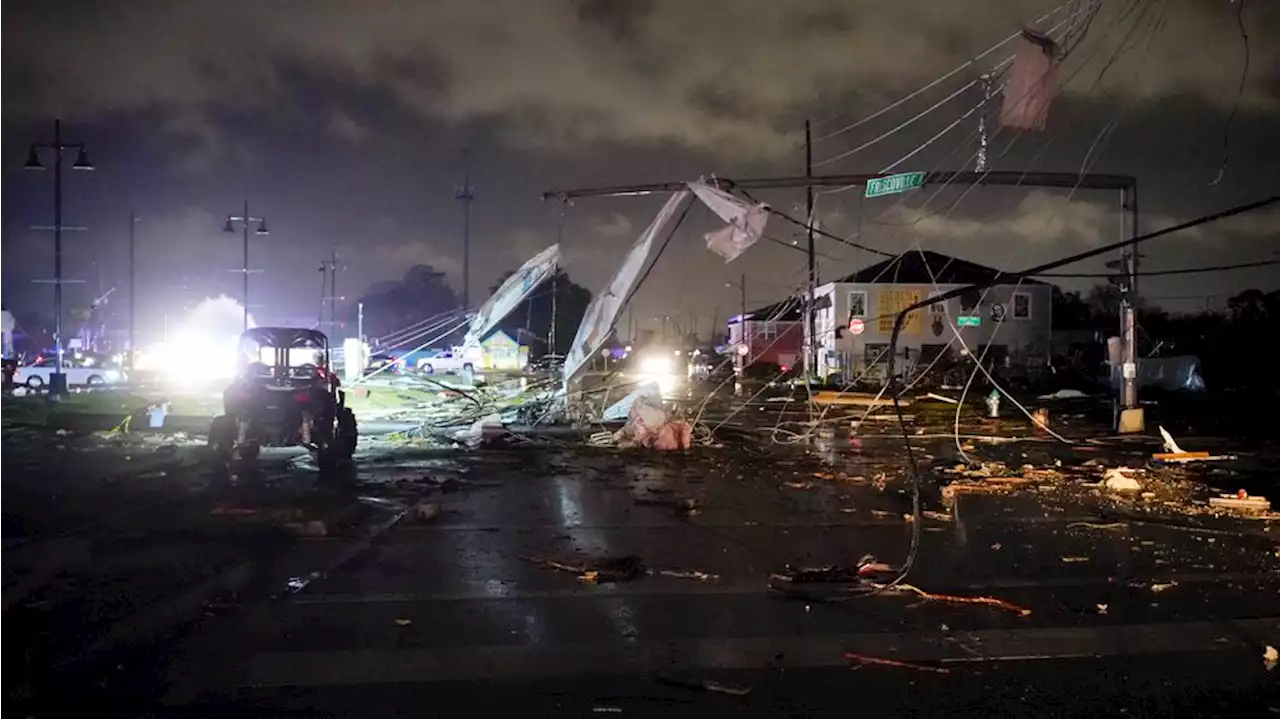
856	326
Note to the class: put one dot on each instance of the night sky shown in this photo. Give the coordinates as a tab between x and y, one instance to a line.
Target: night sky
343	123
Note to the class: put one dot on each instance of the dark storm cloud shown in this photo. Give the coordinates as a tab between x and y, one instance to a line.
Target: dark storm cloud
344	121
720	75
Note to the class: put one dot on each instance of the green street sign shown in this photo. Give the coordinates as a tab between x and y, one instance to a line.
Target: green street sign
969	321
894	184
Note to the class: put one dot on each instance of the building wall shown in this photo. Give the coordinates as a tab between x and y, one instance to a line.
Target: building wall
1026	337
773	342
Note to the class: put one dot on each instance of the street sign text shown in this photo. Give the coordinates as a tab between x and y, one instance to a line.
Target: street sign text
894	184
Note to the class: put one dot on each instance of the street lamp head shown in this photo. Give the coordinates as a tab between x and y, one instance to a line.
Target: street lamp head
82	161
229	227
33	161
262	228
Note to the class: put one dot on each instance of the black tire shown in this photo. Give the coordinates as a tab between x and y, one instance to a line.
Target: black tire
427	368
95	380
222	437
35	382
348	433
468	367
249	451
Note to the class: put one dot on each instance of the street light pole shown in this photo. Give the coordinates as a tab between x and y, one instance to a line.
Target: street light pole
245	292
244	221
133	289
58	381
465	194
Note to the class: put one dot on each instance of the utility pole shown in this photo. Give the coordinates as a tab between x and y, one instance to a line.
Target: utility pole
333	292
811	347
328	290
244	221
465	194
551	335
1131	416
133	288
58	380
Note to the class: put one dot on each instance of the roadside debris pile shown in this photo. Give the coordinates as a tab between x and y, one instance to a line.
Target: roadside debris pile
648	423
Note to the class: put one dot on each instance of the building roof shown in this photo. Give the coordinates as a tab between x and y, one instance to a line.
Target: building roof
787	310
924	267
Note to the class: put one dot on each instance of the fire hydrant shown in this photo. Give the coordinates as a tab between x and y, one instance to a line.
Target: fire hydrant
993	404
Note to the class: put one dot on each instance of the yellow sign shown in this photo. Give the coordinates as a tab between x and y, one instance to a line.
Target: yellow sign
891	302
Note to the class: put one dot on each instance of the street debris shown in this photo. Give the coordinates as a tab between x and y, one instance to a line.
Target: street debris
959	599
681	505
1270	657
424	511
940	398
1241	502
1174	453
313	529
1117	479
403	622
1169	445
862	659
483	430
683	574
1100	608
593	570
649	426
858	399
1064	394
1040	419
828	583
705	685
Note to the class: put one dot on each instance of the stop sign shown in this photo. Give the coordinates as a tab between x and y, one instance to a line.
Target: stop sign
856	326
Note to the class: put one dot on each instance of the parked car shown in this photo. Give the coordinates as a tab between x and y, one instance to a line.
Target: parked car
39	374
447	361
378	360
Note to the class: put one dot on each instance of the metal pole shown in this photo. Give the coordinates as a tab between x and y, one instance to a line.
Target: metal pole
133	289
465	195
333	293
551	336
743	287
811	349
1128	336
1005	178
58	383
246	265
360	323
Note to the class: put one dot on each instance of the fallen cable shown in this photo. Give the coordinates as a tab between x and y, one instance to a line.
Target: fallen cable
957	599
864	659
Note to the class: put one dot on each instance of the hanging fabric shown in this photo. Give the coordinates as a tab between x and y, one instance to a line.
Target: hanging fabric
512	292
746	222
1032	82
604	308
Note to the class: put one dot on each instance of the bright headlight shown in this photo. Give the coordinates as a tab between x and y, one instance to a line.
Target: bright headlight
656	365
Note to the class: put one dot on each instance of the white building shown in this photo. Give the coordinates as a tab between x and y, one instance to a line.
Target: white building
1014	318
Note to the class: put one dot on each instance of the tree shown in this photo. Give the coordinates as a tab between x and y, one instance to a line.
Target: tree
391	306
1253	307
531	319
1071	311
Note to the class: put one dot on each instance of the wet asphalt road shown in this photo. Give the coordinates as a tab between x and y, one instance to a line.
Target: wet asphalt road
156	595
